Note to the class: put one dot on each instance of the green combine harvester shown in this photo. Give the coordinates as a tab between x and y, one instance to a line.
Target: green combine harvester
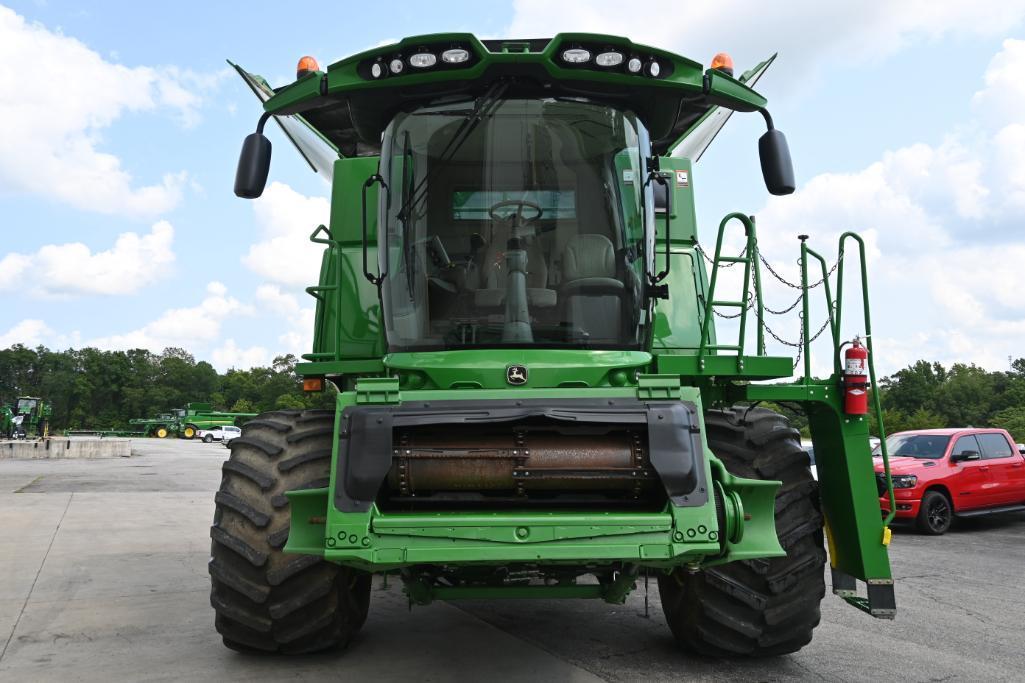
186	422
533	401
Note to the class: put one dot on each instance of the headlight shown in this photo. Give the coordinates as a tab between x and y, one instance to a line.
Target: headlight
456	56
634	65
904	481
654	69
576	56
609	59
422	60
396	66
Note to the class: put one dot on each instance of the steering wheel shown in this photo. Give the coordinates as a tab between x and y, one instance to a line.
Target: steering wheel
520	204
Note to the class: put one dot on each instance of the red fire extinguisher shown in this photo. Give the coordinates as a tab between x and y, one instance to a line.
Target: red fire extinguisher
855	379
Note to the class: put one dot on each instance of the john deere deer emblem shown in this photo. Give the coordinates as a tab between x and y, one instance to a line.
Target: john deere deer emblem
516	375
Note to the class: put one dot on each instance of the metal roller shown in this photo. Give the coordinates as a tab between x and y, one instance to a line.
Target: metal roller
520	461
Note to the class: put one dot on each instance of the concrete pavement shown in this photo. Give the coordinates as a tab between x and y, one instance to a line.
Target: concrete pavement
104	567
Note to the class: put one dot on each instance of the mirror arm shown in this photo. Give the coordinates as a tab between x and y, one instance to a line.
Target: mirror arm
262	122
768	118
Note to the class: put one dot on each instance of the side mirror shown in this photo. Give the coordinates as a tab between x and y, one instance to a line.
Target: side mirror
777	168
253	166
965	455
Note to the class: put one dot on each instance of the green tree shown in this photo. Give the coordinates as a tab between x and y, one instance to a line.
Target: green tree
1013	420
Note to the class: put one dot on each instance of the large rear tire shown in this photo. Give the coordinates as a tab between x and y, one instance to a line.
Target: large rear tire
756	608
265	600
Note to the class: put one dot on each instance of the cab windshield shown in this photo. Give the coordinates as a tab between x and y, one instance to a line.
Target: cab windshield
514	222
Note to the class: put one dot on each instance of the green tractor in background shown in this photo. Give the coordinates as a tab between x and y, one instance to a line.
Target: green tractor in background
28	418
532	398
186	422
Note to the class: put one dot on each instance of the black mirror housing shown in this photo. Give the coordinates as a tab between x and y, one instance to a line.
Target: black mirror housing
253	166
777	168
965	455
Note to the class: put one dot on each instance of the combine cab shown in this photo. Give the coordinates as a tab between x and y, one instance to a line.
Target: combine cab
532	398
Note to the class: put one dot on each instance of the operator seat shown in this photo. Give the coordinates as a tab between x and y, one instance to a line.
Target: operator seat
493	271
592	296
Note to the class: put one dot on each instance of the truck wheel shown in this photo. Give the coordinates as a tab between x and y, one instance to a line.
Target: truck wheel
764	607
208	439
161	432
935	514
265	600
189	432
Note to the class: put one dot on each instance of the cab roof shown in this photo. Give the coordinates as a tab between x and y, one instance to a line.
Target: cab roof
350	103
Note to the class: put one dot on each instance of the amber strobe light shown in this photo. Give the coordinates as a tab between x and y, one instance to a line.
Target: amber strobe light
313	384
723	62
306	65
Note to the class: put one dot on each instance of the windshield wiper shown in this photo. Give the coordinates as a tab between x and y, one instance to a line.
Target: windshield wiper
481	110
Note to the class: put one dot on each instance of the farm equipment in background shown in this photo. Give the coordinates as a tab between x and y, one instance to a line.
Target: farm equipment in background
533	401
28	418
186	422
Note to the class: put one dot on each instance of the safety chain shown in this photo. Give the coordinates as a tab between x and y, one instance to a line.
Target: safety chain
799	345
791	284
712	260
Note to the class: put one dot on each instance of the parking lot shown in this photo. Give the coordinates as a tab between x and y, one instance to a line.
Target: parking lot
104	578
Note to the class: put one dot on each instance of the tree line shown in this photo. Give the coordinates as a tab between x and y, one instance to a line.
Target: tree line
93	389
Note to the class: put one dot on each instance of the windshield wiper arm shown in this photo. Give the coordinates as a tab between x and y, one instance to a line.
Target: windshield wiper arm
481	110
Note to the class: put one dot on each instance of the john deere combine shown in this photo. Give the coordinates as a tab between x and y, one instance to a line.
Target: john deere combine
533	401
186	422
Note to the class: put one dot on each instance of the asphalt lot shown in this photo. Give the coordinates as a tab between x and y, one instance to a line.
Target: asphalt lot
103	566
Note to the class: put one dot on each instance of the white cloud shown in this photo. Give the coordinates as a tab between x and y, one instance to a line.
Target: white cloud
28	332
298	339
195	328
805	31
942	226
72	268
56	97
286	218
229	355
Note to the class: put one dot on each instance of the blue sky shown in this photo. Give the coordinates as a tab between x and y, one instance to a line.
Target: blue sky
120	127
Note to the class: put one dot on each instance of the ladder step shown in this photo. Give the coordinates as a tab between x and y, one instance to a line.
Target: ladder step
724	348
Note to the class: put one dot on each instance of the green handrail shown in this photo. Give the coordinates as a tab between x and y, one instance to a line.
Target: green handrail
334	247
750	261
876	405
834	324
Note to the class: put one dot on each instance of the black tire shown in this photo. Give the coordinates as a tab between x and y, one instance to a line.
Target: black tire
189	432
766	607
935	514
267	601
207	438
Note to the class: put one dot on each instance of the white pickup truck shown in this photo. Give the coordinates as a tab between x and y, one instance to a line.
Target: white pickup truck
222	434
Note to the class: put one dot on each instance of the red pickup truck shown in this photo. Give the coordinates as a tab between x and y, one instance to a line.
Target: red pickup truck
939	474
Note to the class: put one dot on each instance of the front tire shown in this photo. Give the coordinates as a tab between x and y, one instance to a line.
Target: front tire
265	600
765	607
935	514
208	439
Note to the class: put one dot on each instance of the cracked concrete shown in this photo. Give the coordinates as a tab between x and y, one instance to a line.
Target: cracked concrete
104	566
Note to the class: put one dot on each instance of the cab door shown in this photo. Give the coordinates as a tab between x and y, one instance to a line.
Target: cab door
970	482
1006	468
